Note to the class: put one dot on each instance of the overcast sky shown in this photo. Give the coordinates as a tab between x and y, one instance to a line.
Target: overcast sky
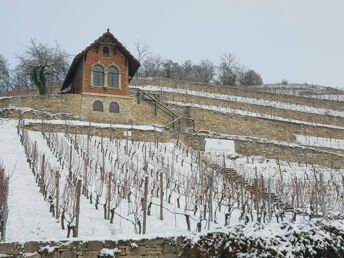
297	40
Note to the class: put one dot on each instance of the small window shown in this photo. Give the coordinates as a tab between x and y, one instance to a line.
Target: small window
106	51
98	106
113	77
114	107
98	75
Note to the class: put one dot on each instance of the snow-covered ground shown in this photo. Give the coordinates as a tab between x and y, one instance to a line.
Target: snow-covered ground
93	124
186	180
28	217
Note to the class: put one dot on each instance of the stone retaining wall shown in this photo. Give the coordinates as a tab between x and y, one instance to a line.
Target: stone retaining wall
82	106
259	109
146	248
258	127
238	91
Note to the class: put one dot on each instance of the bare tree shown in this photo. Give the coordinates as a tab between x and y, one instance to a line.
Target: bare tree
204	71
171	69
187	72
228	70
151	66
45	66
5	84
142	50
250	77
142	53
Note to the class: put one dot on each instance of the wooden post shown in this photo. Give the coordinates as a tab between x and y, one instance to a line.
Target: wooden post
257	191
161	196
297	193
173	160
109	196
126	142
167	177
117	152
242	192
85	177
210	204
88	143
77	208
322	195
70	161
103	158
34	157
145	202
42	174
57	213
316	193
269	199
211	196
281	176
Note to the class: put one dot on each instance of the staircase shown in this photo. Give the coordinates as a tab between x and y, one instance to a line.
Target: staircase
255	188
177	121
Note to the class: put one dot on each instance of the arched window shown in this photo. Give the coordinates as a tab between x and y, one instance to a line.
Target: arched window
114	107
113	77
98	75
98	106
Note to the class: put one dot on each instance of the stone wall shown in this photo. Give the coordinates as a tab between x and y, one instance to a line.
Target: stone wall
259	109
68	103
212	121
130	110
152	248
239	91
82	106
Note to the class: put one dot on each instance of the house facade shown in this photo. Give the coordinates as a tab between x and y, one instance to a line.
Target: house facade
104	68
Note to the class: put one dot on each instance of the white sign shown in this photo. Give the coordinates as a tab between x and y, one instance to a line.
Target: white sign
219	146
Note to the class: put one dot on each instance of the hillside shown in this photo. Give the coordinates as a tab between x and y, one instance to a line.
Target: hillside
250	162
303	90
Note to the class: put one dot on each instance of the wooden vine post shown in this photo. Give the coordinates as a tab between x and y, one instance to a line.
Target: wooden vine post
161	196
34	157
57	213
322	196
109	196
145	201
269	199
70	161
77	208
42	174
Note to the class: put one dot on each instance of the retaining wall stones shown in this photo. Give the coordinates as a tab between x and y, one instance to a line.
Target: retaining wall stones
146	248
238	91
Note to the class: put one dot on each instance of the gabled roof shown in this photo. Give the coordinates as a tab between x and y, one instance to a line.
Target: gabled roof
106	38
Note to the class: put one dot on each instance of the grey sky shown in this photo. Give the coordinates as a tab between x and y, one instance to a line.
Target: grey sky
297	40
